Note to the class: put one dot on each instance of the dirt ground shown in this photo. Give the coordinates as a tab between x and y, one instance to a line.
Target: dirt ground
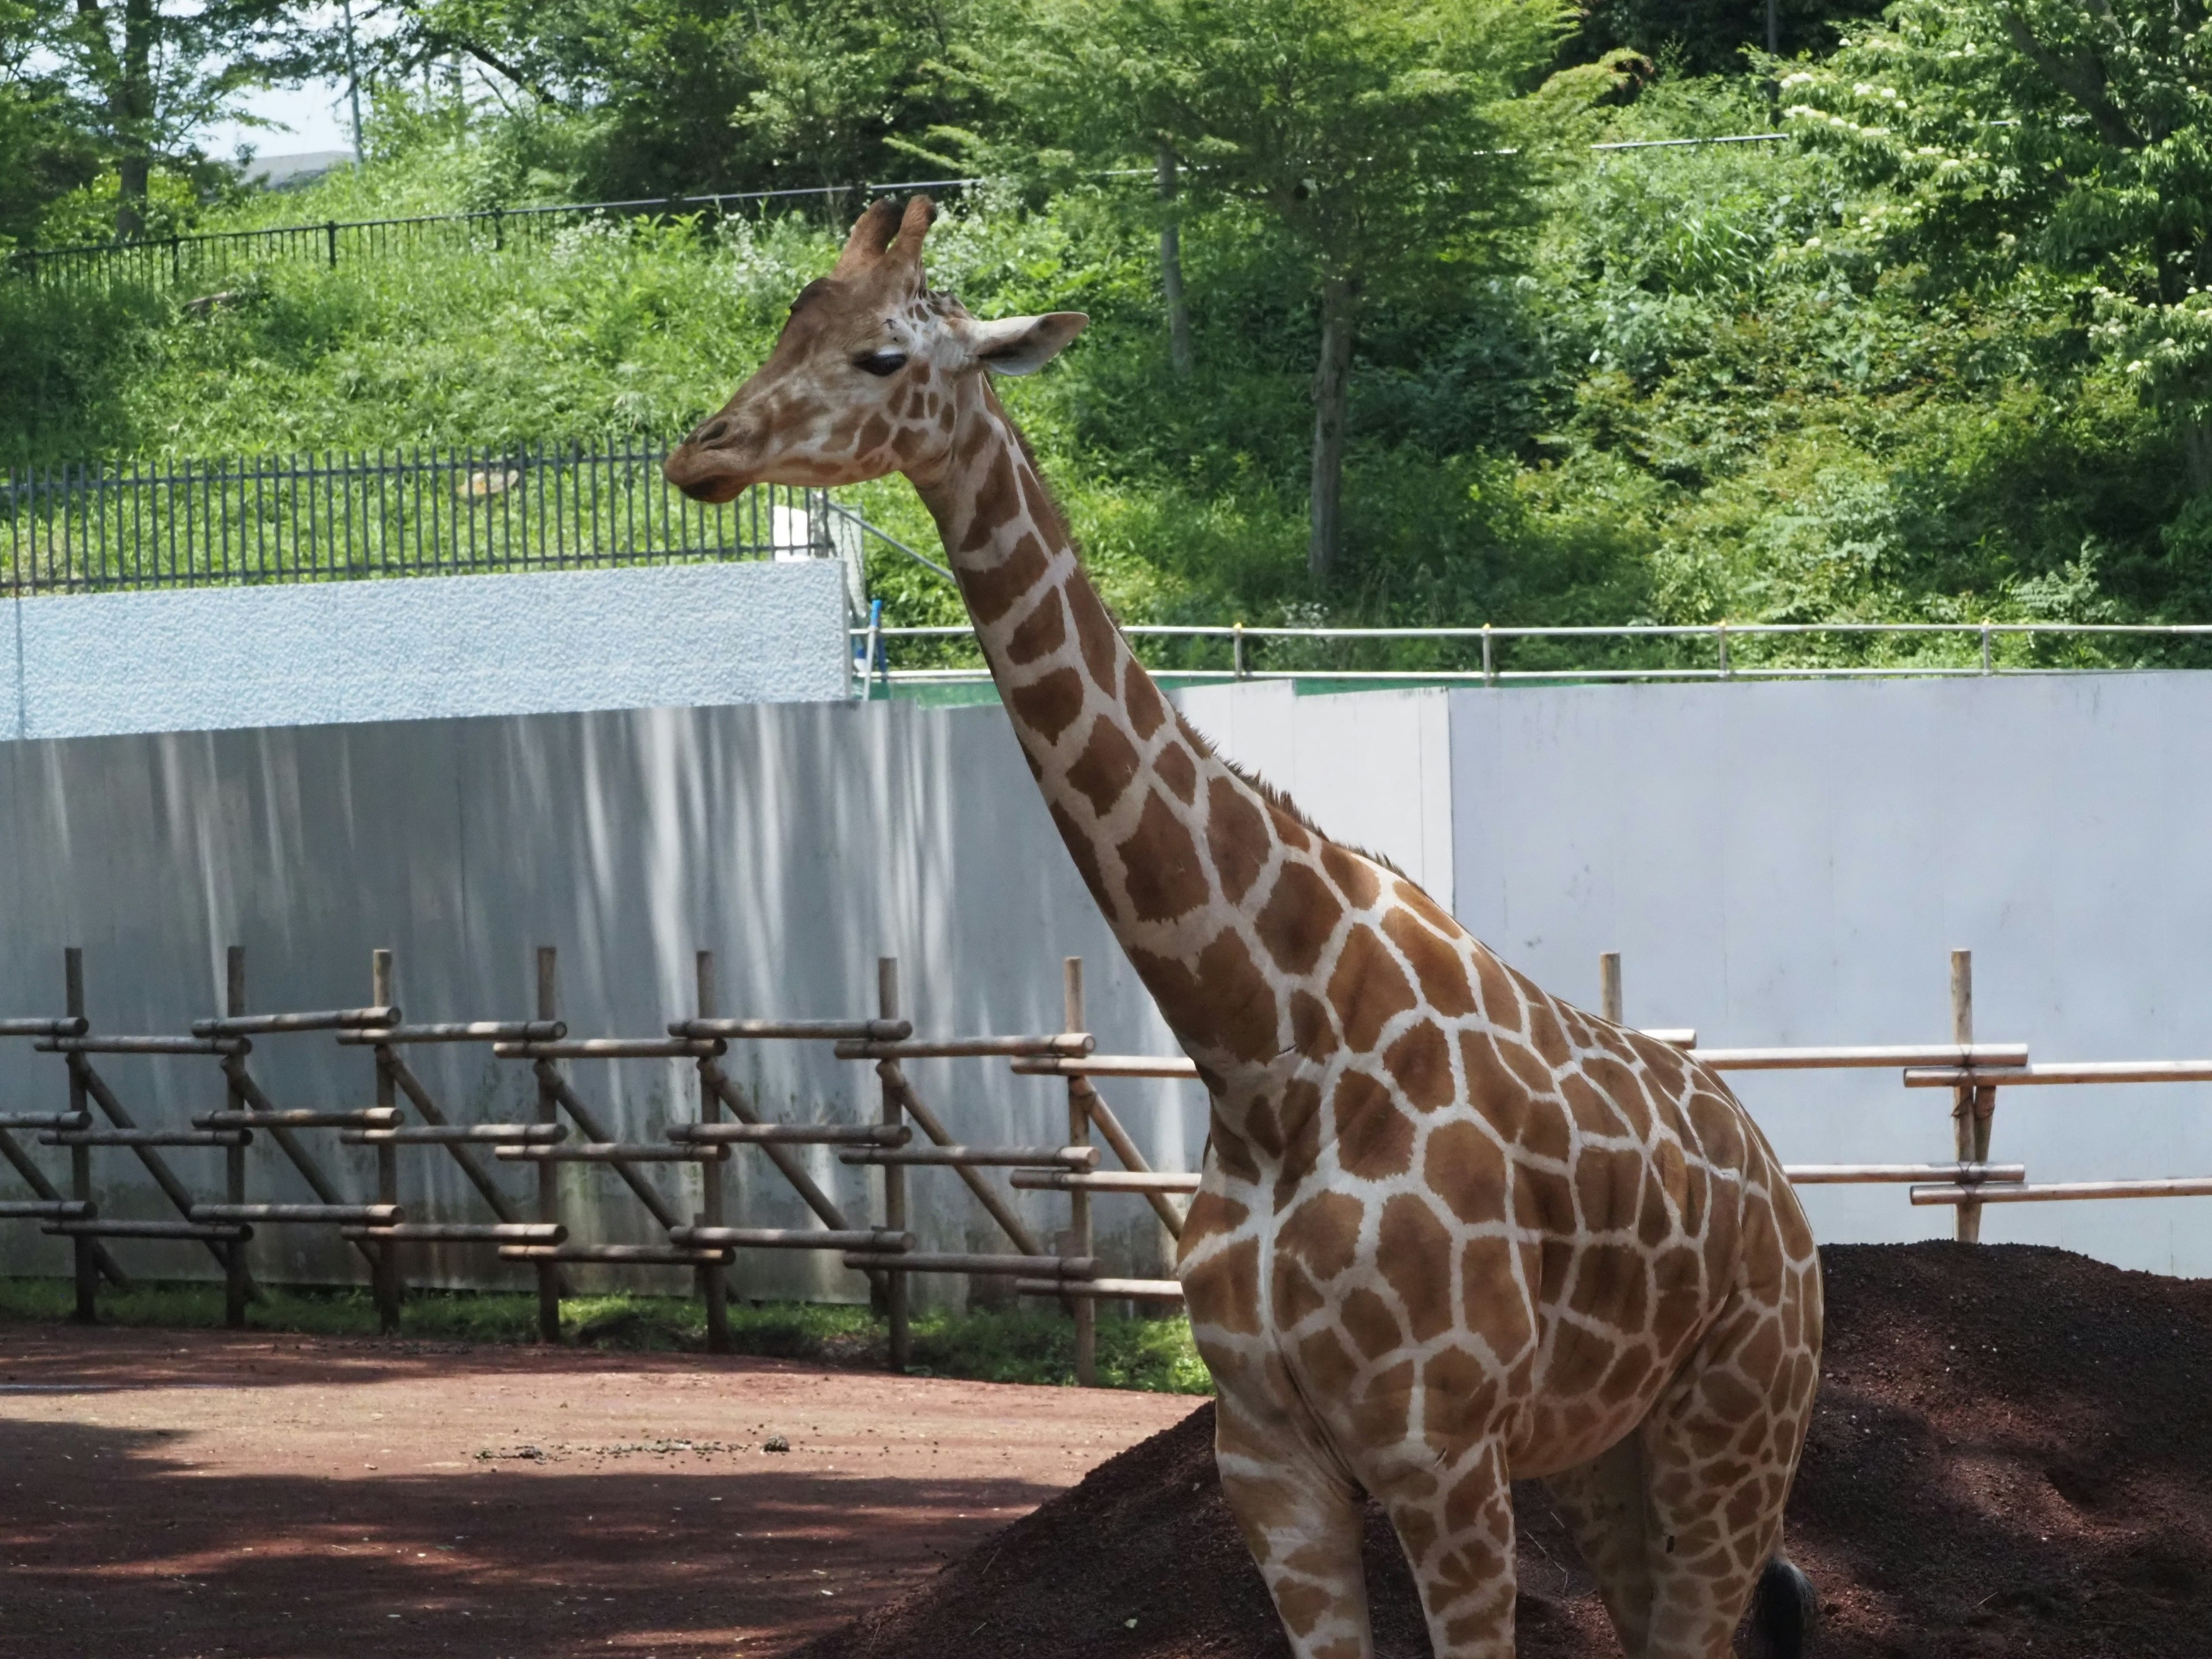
2011	1456
183	1495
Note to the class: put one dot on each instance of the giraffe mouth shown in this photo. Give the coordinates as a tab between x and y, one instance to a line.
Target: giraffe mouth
703	476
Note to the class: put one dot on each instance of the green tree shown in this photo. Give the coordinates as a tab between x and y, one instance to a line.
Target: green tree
2071	138
1379	142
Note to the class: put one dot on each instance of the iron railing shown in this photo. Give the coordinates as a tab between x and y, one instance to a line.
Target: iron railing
206	258
1494	656
418	513
207	255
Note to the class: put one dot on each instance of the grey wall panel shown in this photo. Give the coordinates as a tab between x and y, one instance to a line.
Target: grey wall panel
1793	863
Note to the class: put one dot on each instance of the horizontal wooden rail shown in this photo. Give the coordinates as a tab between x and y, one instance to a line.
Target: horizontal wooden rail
856	1031
211	1231
74	1025
1064	1158
330	1019
358	1215
973	1048
611	1152
1105	1181
1832	1175
2062	1071
1064	1266
147	1138
46	1209
1104	1066
613	1049
456	1134
465	1232
143	1045
651	1256
2059	1191
1142	1290
792	1134
1974	1056
61	1120
366	1117
794	1238
467	1030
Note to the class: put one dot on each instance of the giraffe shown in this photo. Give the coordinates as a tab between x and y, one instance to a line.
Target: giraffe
1450	1231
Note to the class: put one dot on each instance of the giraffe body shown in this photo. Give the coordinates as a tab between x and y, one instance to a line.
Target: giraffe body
1450	1231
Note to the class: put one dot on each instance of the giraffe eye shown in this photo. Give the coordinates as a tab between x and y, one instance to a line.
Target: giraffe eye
880	362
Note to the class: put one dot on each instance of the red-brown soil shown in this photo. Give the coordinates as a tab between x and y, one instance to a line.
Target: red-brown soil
186	1495
2012	1455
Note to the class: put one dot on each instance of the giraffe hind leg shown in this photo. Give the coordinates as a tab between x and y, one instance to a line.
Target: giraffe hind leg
1301	1518
1604	1503
1720	1447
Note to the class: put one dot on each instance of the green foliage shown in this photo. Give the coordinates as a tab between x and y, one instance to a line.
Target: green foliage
1035	1346
1792	381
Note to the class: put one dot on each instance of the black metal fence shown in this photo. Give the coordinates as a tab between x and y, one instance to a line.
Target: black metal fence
202	261
337	516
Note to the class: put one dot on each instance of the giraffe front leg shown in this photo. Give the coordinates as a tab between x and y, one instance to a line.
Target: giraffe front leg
1454	1516
1301	1518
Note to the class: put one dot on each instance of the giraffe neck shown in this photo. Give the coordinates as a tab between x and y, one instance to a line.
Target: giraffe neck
1171	843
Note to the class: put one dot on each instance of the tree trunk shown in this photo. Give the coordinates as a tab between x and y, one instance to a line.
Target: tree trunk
1181	357
1332	380
131	101
2197	452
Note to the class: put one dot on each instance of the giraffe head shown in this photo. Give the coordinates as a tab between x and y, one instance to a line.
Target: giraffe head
867	376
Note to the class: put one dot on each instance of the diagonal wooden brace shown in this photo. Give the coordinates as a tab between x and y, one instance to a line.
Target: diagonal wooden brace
1126	1150
158	1167
1002	1212
35	1178
234	1066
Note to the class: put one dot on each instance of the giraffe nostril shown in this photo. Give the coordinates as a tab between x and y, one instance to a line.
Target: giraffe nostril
713	433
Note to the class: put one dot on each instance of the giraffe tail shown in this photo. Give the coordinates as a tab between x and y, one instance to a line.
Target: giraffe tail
1782	1611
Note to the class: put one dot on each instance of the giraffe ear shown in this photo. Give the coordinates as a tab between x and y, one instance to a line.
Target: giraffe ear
1022	345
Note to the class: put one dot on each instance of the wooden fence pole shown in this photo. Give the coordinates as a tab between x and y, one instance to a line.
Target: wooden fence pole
894	1289
88	1272
389	1289
1965	1134
1609	987
234	1156
1078	1201
714	1284
549	1175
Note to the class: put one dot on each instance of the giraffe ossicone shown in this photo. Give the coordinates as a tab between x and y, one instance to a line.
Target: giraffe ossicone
1451	1232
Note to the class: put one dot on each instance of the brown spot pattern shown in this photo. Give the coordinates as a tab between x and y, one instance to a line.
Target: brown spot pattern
991	593
1298	919
1225	1003
1374	1138
1236	837
1160	864
1094	632
1178	771
1048	704
1043	632
1102	772
1368	990
1419	1062
1352	875
1436	964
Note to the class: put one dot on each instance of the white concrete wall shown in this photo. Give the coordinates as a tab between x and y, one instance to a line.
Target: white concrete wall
1777	863
1793	863
317	652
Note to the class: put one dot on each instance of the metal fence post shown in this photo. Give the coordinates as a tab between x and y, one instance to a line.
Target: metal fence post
331	228
1986	665
1728	673
1236	652
1489	665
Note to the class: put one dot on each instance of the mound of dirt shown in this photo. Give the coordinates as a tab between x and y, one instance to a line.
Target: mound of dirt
2012	1453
